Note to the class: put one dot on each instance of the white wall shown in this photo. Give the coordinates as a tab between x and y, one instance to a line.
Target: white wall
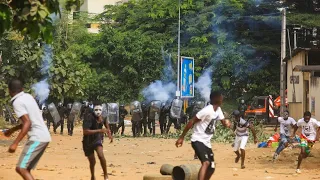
299	59
96	6
315	94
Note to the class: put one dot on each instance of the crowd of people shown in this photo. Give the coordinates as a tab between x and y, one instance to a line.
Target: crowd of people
96	127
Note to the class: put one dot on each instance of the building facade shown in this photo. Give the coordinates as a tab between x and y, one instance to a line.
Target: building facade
303	82
96	7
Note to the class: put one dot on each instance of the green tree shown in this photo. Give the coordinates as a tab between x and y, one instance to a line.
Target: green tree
32	17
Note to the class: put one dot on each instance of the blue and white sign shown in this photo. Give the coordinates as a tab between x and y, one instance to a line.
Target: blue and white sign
187	77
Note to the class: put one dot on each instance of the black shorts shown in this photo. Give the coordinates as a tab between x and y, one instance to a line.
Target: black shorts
203	152
89	149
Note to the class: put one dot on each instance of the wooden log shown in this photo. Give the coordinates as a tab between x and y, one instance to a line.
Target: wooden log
156	177
186	172
166	169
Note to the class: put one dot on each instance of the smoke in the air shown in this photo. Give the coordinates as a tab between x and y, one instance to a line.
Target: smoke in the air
42	88
203	86
165	88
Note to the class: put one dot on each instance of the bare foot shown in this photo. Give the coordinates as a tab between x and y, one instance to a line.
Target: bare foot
242	167
237	159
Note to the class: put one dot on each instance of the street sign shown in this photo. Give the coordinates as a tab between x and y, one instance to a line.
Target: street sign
187	77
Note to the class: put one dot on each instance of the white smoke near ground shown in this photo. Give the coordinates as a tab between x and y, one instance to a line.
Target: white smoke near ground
42	88
203	86
164	89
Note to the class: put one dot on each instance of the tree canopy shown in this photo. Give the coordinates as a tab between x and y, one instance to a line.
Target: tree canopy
239	40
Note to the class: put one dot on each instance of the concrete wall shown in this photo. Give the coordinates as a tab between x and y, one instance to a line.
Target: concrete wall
296	108
304	101
299	59
315	97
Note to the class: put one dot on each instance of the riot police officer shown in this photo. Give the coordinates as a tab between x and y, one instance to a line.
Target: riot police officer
122	114
48	117
163	118
144	122
63	114
242	107
189	110
152	121
70	123
85	109
173	120
136	119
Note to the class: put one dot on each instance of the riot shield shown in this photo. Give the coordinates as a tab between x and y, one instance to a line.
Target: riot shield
198	106
104	110
113	113
176	108
54	113
75	112
135	107
154	111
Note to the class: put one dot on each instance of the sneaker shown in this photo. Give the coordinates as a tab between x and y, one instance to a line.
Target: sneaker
275	157
298	171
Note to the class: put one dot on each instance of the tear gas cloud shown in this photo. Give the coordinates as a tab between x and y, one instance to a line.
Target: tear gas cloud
165	88
42	88
204	84
159	91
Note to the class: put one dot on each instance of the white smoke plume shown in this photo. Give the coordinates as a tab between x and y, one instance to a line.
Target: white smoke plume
42	88
159	91
204	84
164	89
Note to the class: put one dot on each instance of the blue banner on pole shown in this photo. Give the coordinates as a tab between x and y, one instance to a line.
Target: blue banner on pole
187	77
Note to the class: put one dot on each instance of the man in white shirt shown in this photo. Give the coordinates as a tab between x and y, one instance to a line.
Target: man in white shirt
27	109
240	128
309	134
203	129
286	123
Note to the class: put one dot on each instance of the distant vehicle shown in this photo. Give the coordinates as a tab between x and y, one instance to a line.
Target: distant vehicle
264	110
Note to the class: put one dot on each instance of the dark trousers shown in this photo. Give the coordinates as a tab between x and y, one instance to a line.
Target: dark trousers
163	124
152	126
136	128
113	128
61	123
121	125
175	122
49	125
144	123
70	126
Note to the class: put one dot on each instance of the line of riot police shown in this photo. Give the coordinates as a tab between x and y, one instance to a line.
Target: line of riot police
143	116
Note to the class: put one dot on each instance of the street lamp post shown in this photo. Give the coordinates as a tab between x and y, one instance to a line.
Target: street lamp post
178	65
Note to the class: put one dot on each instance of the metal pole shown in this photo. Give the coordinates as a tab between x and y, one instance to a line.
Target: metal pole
178	65
283	64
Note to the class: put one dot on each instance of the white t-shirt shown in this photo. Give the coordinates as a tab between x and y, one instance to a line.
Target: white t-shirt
25	104
204	130
242	127
285	125
309	130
